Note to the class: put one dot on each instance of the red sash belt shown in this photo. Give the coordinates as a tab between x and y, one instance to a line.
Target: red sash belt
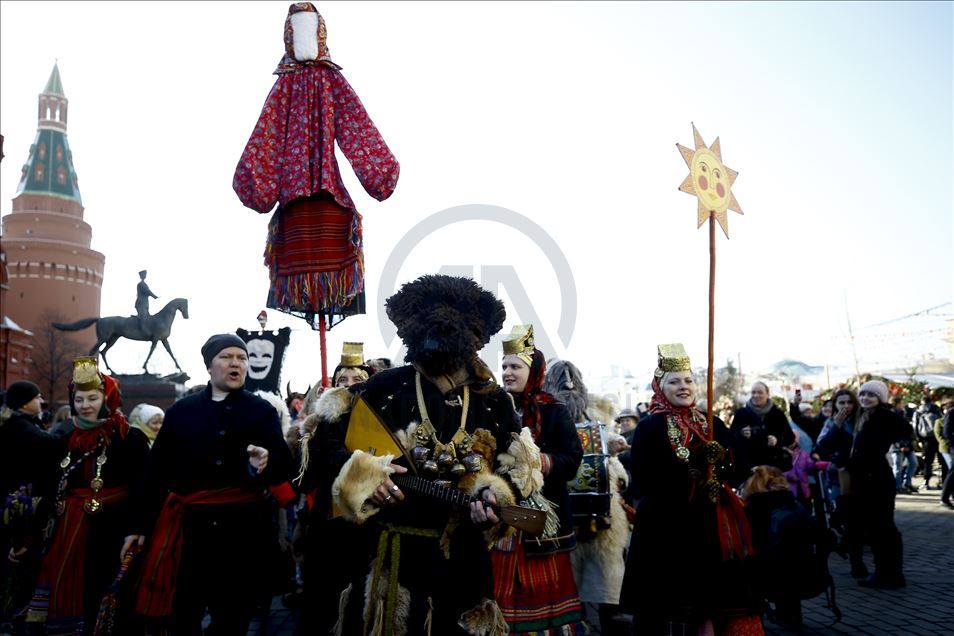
63	569
161	567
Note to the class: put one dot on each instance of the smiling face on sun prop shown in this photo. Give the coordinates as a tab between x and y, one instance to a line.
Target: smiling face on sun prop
710	181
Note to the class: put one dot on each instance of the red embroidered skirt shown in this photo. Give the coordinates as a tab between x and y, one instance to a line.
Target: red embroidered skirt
314	256
537	595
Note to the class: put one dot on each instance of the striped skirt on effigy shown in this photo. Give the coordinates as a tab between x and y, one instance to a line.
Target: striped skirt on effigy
314	256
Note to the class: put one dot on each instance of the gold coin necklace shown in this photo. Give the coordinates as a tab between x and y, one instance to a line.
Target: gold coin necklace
93	505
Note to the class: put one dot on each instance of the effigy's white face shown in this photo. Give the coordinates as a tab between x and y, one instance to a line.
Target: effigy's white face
305	35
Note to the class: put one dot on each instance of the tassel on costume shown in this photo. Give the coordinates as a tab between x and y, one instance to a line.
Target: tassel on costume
317	291
338	629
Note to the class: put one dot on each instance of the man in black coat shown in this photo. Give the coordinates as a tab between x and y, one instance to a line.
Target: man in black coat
28	469
761	432
215	455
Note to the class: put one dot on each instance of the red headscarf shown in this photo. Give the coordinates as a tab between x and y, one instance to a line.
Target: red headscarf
688	418
533	395
113	419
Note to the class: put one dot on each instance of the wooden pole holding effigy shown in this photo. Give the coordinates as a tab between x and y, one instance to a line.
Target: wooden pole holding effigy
324	350
710	181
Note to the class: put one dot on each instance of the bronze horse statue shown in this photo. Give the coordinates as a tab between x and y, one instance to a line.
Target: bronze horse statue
155	328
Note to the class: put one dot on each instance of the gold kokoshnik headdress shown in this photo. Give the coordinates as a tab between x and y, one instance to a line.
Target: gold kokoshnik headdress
672	357
86	375
520	343
352	357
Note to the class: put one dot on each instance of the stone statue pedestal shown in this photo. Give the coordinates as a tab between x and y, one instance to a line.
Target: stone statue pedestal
161	391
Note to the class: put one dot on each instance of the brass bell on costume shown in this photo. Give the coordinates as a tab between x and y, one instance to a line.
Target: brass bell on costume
473	463
458	469
420	454
430	467
445	461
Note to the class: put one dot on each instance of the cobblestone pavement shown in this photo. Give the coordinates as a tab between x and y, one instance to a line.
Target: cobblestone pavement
923	608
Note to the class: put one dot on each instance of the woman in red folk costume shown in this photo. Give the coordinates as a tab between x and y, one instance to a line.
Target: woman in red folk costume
95	506
533	576
314	248
688	570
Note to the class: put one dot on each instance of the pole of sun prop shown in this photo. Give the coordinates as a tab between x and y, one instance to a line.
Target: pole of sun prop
710	181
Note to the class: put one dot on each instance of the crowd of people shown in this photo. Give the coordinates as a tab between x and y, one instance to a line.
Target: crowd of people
428	498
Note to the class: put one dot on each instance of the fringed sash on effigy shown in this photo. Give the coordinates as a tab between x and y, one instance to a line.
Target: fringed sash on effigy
164	555
58	598
314	256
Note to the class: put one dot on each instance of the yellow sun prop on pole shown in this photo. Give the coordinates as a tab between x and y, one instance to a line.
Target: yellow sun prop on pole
710	181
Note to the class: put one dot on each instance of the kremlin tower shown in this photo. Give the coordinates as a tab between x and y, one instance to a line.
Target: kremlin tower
51	270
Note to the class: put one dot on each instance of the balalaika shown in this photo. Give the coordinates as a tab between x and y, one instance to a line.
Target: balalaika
366	432
529	520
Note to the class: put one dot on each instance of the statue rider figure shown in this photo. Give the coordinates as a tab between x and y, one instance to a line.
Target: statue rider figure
143	294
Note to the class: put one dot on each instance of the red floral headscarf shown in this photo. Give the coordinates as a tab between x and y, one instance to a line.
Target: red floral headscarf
288	63
533	395
111	416
684	415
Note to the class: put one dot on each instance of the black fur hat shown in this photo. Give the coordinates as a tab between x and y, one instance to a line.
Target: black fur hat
444	320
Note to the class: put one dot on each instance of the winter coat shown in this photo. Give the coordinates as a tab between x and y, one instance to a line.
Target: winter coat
834	442
28	455
944	431
875	432
754	450
674	570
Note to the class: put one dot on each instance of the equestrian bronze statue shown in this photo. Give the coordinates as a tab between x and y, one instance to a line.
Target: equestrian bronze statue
154	328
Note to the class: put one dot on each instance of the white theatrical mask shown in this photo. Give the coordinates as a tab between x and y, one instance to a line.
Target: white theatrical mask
261	356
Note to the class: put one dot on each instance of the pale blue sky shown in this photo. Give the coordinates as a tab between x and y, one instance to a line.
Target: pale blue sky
838	117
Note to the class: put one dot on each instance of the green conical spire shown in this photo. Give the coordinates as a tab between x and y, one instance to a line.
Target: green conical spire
54	85
49	168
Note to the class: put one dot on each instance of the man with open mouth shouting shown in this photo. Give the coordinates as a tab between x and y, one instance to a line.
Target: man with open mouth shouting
208	471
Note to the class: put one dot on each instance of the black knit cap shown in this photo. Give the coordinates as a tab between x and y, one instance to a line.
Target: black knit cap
218	342
20	393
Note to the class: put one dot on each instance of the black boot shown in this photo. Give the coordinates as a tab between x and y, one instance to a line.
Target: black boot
889	564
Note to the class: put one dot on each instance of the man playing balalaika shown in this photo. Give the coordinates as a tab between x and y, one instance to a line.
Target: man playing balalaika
450	466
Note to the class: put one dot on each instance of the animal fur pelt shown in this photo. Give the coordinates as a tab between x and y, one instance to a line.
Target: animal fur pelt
332	404
443	321
485	619
564	381
521	463
356	482
310	400
374	602
279	405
